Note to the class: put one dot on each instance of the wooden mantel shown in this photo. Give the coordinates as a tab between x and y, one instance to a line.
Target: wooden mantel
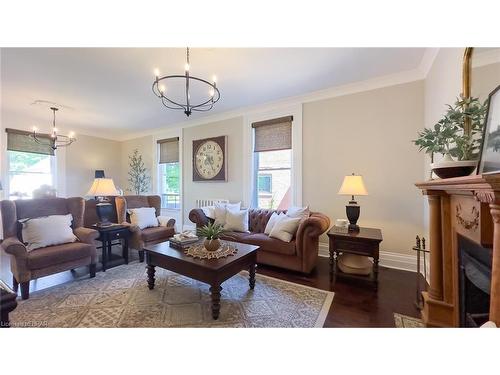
469	206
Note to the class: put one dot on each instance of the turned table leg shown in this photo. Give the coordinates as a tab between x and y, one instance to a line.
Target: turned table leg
151	276
252	276
215	295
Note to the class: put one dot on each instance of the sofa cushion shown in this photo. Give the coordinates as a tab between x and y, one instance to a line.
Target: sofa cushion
49	256
235	236
157	233
269	244
47	231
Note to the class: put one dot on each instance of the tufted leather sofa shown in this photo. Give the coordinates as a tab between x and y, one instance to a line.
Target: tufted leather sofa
301	254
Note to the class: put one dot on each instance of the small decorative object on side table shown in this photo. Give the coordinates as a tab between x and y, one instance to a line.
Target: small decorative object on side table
107	235
364	242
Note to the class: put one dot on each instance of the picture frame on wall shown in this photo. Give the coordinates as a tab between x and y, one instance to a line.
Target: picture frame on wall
210	159
489	161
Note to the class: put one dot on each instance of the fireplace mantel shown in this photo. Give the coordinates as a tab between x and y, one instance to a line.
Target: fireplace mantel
467	206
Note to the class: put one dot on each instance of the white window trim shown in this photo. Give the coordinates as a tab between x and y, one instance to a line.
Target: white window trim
248	165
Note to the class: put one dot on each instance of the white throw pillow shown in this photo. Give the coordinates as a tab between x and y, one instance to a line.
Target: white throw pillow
48	231
209	212
275	217
285	229
144	217
221	210
300	212
237	221
163	220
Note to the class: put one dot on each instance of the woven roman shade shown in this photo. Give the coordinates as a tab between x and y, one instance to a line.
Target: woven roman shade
169	150
273	135
20	140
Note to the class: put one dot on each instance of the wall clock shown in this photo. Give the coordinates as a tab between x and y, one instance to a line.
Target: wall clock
210	159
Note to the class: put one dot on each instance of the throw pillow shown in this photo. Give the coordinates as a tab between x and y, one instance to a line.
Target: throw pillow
144	217
48	231
163	220
285	229
221	210
237	221
275	217
301	212
209	212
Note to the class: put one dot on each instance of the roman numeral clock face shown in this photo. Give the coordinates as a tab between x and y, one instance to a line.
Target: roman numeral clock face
209	160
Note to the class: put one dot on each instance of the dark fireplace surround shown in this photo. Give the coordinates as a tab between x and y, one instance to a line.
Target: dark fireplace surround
474	279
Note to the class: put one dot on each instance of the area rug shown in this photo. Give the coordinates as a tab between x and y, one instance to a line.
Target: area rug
120	297
405	321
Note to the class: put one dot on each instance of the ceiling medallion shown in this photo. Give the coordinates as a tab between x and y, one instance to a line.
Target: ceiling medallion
160	90
55	140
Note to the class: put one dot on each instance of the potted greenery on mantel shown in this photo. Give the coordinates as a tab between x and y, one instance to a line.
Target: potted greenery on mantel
457	136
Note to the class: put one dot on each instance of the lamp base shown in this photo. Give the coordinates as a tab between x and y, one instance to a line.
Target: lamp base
104	211
352	211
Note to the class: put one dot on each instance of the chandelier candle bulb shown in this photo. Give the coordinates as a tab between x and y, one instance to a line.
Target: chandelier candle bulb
157	73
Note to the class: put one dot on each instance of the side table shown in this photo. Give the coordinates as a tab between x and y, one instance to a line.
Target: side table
115	232
364	242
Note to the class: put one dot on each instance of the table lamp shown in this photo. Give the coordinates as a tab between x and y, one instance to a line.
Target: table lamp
101	189
352	185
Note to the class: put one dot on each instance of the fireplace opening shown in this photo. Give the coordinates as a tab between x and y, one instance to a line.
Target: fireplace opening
474	282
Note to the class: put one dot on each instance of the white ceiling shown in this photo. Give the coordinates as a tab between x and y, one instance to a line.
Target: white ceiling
107	91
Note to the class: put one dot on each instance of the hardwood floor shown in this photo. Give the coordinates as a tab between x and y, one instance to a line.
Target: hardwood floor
354	305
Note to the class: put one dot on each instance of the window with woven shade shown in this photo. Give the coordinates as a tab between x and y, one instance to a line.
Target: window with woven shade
169	172
272	163
31	165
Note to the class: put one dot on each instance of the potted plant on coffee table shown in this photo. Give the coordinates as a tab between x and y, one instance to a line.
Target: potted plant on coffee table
457	136
211	232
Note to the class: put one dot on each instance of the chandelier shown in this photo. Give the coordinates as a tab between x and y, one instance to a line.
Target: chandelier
55	140
160	90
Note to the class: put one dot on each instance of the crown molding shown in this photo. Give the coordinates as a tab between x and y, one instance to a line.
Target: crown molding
428	60
485	58
337	91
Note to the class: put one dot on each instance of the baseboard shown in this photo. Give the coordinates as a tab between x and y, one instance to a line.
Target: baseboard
387	259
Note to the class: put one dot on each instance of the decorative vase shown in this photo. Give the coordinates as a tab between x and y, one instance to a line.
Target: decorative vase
212	245
448	168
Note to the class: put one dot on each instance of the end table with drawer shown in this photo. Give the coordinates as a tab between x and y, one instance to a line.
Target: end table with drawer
364	242
107	234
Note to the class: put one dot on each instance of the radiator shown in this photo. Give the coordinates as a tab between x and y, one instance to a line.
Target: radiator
209	202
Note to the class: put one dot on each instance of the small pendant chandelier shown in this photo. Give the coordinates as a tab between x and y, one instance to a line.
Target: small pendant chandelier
55	140
160	90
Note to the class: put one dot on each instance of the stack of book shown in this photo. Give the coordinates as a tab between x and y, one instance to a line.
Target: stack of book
183	243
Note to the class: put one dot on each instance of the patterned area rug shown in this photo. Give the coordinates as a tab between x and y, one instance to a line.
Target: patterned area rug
405	321
120	297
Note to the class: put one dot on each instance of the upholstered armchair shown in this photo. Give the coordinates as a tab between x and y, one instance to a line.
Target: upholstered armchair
29	265
146	236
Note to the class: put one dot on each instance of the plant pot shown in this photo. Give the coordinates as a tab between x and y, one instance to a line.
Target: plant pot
449	168
212	245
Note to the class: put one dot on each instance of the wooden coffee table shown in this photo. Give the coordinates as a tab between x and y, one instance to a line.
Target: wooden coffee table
211	271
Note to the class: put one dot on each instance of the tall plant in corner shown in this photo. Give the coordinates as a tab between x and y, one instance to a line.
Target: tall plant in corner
138	175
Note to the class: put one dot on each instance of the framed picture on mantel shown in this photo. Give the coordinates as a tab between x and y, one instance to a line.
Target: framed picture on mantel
210	159
489	161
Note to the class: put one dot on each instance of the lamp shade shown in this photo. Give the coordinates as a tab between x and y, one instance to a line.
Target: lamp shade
353	185
102	187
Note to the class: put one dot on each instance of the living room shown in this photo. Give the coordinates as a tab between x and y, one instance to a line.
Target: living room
177	184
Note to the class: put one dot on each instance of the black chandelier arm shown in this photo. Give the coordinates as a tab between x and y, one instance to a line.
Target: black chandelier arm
158	93
178	106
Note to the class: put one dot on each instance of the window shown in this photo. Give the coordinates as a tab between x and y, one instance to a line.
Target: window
273	163
28	172
169	173
170	185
